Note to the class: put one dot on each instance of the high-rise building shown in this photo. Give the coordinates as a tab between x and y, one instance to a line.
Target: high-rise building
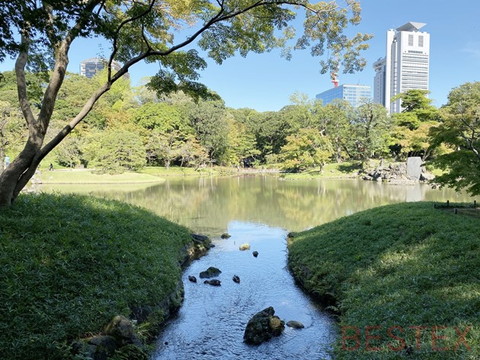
405	66
90	67
356	95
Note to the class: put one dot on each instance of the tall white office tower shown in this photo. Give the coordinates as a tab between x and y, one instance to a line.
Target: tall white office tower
405	66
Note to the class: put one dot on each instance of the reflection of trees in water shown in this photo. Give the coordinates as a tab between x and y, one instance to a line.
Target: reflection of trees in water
208	204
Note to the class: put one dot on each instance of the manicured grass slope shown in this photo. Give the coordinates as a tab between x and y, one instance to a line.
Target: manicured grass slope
90	177
70	263
400	266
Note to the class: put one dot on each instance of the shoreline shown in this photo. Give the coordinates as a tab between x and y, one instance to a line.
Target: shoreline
107	260
379	269
152	175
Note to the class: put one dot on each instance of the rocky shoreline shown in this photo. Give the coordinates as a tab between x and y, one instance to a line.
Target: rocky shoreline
397	173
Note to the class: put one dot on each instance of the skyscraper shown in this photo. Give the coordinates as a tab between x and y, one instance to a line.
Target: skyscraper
354	94
90	67
405	66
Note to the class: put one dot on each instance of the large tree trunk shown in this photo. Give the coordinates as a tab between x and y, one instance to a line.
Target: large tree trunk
14	178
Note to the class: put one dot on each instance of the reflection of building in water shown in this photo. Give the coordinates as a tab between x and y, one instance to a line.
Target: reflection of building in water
90	67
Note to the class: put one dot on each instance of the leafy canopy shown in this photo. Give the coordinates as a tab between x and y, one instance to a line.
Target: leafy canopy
149	30
459	131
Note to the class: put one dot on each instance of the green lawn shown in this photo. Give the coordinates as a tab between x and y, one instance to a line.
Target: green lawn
389	271
176	171
333	170
90	177
70	263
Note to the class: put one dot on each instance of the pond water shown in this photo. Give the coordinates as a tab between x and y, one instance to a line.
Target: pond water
259	210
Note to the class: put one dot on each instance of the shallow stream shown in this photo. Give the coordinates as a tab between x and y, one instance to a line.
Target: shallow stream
211	322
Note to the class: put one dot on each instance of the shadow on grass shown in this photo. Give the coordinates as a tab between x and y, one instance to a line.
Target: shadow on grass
400	266
71	263
349	168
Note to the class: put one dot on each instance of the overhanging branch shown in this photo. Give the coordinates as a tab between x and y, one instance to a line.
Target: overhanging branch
21	79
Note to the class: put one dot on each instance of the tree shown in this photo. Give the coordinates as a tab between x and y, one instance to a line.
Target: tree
412	125
192	153
116	151
69	152
306	149
209	120
336	119
11	130
164	146
271	130
371	128
459	131
40	33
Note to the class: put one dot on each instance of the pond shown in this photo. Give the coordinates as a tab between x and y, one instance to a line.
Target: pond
259	210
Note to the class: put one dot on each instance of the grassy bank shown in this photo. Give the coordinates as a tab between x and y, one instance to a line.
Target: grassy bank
71	263
152	174
404	279
333	170
81	176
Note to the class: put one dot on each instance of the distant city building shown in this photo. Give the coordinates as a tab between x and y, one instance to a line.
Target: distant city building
356	95
405	66
90	67
379	82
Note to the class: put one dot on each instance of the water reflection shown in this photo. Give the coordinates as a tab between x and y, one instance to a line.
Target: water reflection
258	210
208	204
212	320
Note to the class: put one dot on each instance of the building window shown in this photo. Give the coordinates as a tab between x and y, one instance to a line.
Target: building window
420	41
410	40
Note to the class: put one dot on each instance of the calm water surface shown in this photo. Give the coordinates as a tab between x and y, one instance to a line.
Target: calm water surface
259	210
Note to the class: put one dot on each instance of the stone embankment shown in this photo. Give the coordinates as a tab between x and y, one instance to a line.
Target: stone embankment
398	173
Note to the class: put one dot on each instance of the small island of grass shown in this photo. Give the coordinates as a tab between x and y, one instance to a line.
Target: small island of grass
403	280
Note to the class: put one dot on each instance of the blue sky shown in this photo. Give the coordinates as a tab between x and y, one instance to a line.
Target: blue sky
266	81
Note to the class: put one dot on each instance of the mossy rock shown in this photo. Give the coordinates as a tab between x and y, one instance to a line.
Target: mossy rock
210	272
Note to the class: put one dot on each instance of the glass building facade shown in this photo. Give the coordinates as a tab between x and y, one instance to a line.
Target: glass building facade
356	95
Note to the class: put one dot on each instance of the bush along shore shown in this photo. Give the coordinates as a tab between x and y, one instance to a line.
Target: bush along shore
403	280
87	278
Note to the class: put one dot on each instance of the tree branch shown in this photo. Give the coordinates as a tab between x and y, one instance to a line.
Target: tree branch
21	80
215	19
61	63
144	37
50	27
74	122
117	33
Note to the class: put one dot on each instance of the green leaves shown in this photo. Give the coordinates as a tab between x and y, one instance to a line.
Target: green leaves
459	131
116	151
306	149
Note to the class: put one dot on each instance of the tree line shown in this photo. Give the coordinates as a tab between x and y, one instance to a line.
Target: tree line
130	128
175	34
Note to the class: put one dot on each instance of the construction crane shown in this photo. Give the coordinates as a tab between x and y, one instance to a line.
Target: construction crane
334	78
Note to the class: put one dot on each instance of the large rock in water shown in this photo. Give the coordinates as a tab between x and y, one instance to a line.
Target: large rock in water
210	272
262	327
